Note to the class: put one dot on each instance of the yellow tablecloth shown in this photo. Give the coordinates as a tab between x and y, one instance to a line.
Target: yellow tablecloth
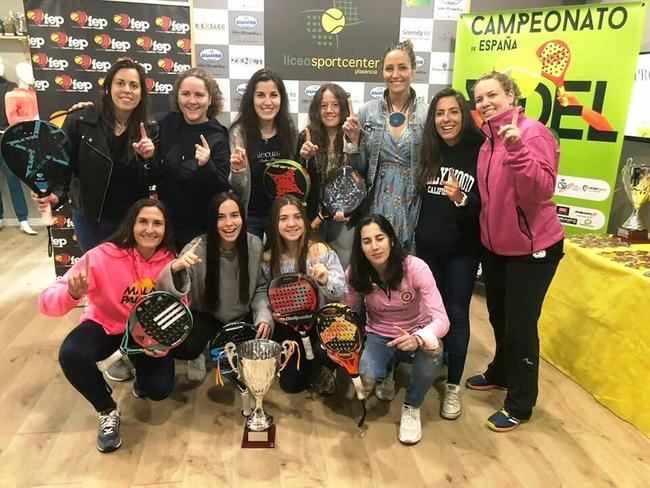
595	327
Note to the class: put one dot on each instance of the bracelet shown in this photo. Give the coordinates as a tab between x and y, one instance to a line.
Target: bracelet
419	340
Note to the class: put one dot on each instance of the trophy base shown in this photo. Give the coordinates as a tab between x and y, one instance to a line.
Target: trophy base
264	439
633	236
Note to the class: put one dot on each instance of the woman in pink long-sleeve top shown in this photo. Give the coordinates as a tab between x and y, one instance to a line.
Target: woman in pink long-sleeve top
405	315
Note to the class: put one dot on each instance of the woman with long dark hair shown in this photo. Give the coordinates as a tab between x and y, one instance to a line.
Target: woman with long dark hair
405	315
114	276
291	250
447	232
321	147
226	284
262	133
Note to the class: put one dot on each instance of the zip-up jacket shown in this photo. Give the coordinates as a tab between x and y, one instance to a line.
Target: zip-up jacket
91	165
516	184
117	279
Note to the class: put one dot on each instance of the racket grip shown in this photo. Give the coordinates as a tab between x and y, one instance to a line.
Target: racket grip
46	216
358	386
104	364
309	352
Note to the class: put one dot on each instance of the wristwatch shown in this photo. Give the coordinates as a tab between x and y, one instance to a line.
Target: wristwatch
463	202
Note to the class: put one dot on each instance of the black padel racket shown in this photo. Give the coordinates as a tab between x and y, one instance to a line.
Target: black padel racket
294	297
344	191
157	323
286	177
234	333
230	335
35	151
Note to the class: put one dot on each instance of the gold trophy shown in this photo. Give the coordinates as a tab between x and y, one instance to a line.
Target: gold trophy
636	181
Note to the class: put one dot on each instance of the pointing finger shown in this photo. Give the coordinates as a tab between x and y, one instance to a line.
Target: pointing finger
236	139
515	117
452	175
86	265
350	106
143	131
307	135
204	142
196	244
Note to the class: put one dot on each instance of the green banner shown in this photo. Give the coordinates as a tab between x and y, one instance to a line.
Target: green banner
575	67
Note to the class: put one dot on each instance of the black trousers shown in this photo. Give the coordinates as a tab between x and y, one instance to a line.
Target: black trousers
515	287
204	328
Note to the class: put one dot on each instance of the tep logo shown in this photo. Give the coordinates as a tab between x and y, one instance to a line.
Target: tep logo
88	63
38	17
167	24
157	87
59	38
70	84
44	62
40	59
85	21
149	45
108	43
64	81
125	22
185	44
168	65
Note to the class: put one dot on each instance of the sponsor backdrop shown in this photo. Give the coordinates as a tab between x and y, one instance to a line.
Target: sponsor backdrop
74	43
556	50
315	41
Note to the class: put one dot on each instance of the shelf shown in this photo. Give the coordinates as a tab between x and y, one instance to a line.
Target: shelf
14	38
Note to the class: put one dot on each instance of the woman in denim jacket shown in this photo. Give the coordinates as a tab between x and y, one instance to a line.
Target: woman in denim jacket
388	134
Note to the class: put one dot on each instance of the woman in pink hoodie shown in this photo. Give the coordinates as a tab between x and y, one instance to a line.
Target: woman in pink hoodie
522	241
405	315
114	276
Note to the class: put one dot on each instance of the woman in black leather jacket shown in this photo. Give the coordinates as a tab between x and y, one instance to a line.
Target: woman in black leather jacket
111	147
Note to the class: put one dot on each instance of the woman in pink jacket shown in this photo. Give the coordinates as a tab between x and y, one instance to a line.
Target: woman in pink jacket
522	241
114	276
405	315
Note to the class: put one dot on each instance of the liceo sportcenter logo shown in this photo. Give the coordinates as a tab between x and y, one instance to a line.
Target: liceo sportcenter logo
324	26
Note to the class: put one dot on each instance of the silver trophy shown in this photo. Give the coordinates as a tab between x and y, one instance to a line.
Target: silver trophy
636	181
259	362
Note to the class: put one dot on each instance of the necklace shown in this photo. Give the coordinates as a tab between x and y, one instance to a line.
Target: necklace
397	118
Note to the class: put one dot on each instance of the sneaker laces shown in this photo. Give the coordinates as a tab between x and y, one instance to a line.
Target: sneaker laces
451	400
108	423
409	414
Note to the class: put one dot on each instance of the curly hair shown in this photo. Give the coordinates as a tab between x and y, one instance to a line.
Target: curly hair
211	86
508	84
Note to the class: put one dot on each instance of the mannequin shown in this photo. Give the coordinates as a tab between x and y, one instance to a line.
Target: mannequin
14	184
21	102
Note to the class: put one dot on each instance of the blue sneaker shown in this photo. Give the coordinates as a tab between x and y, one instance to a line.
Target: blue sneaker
502	421
108	434
481	383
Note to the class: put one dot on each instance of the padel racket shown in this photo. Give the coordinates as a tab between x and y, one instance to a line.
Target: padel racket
340	331
35	151
294	297
555	56
285	177
231	335
157	323
344	191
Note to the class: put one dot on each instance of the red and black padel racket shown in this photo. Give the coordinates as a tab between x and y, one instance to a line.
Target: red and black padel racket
158	322
35	151
230	335
294	296
286	177
344	191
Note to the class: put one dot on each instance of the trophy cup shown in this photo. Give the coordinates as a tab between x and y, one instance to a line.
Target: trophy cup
21	23
636	180
9	25
259	363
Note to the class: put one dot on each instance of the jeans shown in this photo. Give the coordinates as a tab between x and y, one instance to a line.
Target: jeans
88	343
256	225
455	276
16	192
378	359
90	233
515	287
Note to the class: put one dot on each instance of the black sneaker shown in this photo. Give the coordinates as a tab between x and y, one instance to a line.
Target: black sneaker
108	435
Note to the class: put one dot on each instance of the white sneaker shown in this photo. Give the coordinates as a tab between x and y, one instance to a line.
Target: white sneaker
196	369
25	227
410	427
451	406
386	389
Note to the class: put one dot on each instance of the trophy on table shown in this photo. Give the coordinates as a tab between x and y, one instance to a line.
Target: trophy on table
636	181
9	25
259	362
20	22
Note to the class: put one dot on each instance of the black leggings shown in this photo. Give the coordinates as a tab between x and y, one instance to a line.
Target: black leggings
203	331
88	343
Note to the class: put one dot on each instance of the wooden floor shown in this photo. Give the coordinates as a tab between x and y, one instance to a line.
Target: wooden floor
47	430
